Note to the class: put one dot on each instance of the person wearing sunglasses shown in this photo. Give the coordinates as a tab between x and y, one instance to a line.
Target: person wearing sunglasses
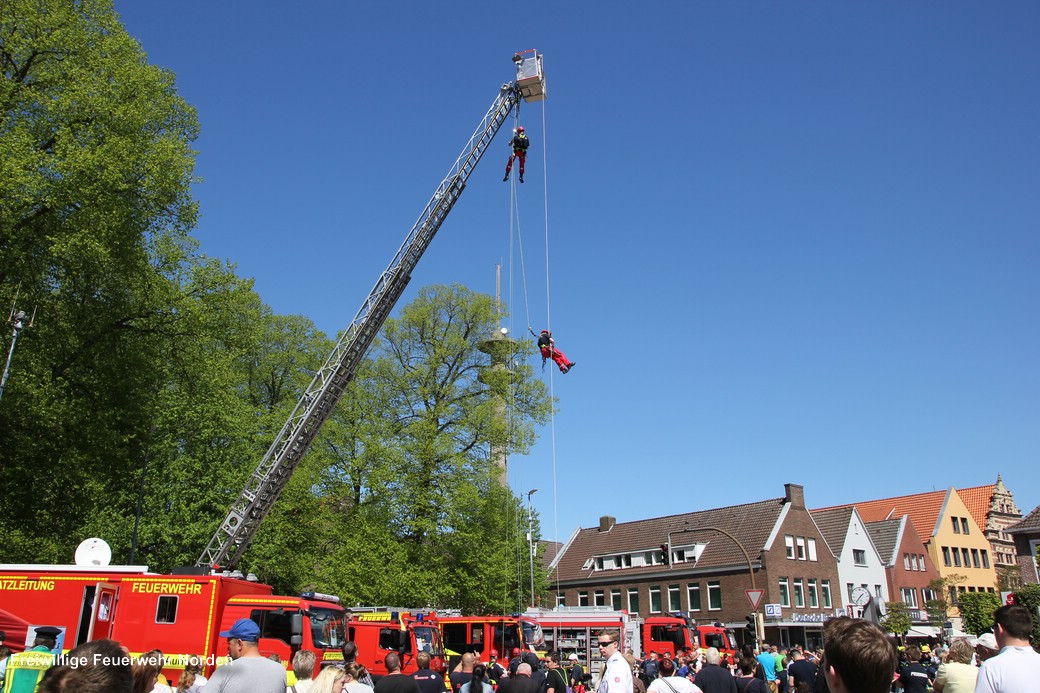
617	675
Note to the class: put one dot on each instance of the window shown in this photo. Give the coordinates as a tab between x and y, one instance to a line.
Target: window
655	600
964	525
626	561
913	562
800	545
825	592
859	556
166	610
789	543
953	596
561	600
956	557
583	598
799	593
929	595
906	561
975	558
956	525
946	556
674	599
920	561
909	597
812	549
693	596
814	594
985	558
848	590
615	600
633	600
599	599
964	552
877	592
714	595
785	594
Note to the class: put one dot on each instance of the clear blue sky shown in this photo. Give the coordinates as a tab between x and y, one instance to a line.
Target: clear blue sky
788	241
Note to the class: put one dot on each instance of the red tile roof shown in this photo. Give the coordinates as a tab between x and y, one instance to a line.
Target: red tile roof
922	509
978	499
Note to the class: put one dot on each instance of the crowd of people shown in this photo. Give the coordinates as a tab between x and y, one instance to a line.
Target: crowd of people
858	657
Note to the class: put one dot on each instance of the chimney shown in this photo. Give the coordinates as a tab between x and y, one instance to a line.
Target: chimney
606	522
795	495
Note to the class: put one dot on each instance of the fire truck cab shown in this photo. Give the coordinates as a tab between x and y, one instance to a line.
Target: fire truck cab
378	633
481	634
667	634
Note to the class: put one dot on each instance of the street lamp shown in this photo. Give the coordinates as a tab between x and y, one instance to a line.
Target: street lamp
530	539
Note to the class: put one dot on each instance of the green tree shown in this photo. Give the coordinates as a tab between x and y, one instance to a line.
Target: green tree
897	618
977	611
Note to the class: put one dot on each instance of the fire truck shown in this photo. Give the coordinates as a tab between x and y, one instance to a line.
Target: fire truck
180	614
378	633
481	634
573	629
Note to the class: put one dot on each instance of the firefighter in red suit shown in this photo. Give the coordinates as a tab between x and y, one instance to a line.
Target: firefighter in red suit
519	145
549	351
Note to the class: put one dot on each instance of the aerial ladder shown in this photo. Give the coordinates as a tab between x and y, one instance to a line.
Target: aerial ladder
272	474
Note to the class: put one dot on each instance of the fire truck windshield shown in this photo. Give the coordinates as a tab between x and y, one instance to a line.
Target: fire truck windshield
328	628
428	640
533	636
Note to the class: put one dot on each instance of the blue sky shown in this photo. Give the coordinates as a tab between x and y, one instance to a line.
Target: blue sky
787	241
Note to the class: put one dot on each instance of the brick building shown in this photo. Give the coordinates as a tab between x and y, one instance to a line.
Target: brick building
908	569
713	557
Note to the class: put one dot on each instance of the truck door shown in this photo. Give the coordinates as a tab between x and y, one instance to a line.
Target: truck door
103	610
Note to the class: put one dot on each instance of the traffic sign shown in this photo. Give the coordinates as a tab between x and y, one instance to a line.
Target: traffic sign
755	597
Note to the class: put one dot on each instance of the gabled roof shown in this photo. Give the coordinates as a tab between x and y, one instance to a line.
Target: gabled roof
751	523
549	551
885	535
978	499
922	508
1029	523
834	526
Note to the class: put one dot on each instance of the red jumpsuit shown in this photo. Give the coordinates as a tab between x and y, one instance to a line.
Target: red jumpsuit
520	144
549	351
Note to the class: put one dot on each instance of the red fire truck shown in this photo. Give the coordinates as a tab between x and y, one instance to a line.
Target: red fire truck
481	634
378	633
180	614
666	634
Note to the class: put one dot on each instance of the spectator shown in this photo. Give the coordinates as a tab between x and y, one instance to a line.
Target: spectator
330	680
957	674
395	681
145	671
463	672
349	651
668	682
521	681
101	666
249	671
712	678
859	657
25	668
353	683
617	677
429	680
1017	667
192	680
478	682
985	647
495	671
303	669
801	670
747	682
912	675
555	678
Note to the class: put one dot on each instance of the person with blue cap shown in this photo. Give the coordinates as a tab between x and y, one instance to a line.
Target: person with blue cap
249	671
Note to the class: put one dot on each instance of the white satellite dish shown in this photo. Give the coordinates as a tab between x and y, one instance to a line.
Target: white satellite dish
93	552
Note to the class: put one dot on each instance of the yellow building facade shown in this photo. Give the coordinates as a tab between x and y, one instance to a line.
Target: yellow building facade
960	550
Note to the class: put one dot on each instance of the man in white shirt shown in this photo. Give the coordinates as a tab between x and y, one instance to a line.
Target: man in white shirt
617	677
1017	667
